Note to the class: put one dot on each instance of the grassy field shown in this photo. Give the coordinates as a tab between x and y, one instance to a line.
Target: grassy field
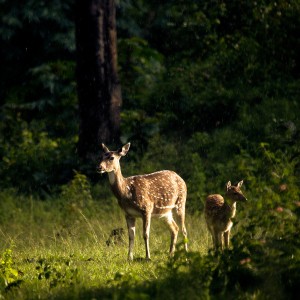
55	248
58	250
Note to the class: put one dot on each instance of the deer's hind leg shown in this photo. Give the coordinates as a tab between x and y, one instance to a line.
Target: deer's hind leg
212	233
146	233
174	231
218	239
181	215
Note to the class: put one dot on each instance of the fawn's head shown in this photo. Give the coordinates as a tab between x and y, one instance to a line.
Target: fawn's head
234	193
110	159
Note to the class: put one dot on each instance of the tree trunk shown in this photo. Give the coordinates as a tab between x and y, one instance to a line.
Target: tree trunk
99	90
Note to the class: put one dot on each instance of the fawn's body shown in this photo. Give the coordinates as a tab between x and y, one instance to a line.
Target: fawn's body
145	196
219	211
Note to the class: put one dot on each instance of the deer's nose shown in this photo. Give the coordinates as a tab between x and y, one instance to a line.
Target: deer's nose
99	169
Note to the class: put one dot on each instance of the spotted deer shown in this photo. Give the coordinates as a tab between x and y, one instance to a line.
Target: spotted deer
219	211
146	196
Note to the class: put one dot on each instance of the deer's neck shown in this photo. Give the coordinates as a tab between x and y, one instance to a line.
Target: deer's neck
118	183
231	207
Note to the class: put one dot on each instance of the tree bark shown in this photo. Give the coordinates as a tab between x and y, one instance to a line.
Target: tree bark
99	89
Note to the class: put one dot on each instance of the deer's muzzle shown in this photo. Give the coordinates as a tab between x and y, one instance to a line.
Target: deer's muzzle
100	170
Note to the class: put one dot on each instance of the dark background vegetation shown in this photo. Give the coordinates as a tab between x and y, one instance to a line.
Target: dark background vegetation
210	89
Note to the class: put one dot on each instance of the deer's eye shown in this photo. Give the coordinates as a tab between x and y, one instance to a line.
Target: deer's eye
111	158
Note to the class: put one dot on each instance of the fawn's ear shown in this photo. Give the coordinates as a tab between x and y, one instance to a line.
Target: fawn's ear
105	149
228	185
240	183
123	151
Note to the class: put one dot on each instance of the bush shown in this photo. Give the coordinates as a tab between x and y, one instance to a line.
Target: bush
33	161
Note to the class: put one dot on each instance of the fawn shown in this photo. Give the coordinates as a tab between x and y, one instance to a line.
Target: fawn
219	211
146	196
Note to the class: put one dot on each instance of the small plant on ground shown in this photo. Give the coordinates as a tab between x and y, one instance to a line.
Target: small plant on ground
57	273
9	275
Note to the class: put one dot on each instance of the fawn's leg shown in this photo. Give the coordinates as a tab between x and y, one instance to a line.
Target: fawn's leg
218	238
131	233
146	233
226	238
211	231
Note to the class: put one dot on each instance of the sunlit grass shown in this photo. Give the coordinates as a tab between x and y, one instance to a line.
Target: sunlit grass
44	232
56	249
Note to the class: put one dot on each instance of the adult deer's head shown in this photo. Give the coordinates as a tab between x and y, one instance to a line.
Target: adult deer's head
110	159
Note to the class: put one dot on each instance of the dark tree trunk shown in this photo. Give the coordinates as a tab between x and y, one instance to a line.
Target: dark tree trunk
99	90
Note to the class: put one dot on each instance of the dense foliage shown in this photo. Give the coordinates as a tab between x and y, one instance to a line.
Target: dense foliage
210	90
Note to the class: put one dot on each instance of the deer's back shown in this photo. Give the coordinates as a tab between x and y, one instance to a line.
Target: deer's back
217	213
161	189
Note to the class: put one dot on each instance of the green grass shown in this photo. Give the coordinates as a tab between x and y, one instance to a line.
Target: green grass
56	249
71	244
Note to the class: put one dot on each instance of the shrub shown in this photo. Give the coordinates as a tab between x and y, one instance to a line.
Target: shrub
9	275
32	160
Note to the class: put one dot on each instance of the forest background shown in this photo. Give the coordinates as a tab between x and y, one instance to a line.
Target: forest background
210	90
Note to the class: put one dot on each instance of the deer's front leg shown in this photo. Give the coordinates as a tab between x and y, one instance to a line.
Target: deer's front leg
146	233
226	238
227	235
131	233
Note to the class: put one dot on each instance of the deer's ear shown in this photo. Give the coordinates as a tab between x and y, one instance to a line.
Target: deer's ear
105	149
228	185
240	183
123	151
